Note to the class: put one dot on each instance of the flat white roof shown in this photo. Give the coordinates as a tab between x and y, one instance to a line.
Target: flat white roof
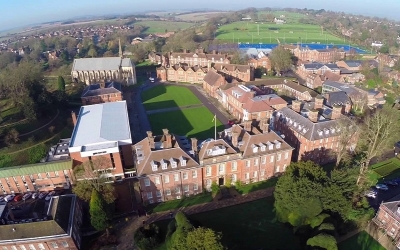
101	123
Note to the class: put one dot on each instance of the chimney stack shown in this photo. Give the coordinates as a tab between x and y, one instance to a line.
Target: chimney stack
73	115
313	115
336	112
296	105
247	126
214	52
167	139
194	145
264	126
319	101
151	139
235	139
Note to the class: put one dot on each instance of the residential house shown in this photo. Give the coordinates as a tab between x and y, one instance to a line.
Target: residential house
101	93
386	60
212	82
314	81
375	97
332	86
354	78
59	228
54	55
262	106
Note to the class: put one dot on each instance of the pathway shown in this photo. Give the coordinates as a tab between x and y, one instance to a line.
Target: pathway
173	109
126	234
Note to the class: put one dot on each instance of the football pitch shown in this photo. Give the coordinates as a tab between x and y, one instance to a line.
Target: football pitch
262	32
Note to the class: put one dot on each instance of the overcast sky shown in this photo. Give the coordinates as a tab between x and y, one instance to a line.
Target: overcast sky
17	13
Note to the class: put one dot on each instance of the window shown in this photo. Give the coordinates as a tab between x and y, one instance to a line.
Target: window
185	176
234	178
272	158
64	243
174	164
278	158
194	174
234	166
262	172
177	190
208	183
157	180
264	160
164	166
149	195
255	174
256	162
53	244
286	155
154	166
247	176
15	248
284	167
176	177
248	164
158	193
221	169
186	188
147	182
22	247
168	191
166	179
183	162
41	247
277	169
32	247
208	171
195	187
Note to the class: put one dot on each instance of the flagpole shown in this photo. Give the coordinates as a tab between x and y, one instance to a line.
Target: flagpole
215	126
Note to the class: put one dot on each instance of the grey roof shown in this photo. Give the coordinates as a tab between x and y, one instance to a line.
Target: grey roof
316	66
94	64
95	89
127	62
342	87
310	130
104	122
353	63
338	97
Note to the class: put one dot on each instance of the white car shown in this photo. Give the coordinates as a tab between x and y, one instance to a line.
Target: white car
35	195
9	197
26	196
42	195
48	197
370	194
382	187
151	79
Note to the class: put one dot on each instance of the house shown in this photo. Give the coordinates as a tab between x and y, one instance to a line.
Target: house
375	97
212	82
241	73
101	93
260	60
155	58
60	228
386	60
262	106
314	81
329	75
351	65
235	98
97	134
311	128
338	98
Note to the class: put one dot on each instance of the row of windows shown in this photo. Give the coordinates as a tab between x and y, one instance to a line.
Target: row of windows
176	190
39	246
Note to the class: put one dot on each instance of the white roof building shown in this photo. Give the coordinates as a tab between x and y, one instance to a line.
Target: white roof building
101	129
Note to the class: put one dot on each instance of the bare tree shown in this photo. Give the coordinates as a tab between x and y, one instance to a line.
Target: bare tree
360	101
378	134
348	130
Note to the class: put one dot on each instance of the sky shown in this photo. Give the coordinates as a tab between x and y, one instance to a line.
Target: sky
18	13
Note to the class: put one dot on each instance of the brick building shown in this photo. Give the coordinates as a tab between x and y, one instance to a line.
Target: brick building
260	60
288	88
318	55
311	128
60	228
262	106
388	219
212	82
103	130
317	68
36	177
170	167
101	93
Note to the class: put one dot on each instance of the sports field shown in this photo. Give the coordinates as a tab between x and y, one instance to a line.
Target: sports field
168	96
162	26
250	32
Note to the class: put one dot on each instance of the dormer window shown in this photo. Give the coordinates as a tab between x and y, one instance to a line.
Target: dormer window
163	164
183	161
255	148
326	131
154	166
277	144
332	130
173	163
319	132
270	145
262	147
295	124
304	130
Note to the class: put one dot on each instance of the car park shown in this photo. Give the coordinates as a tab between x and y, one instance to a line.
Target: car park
35	195
51	194
26	196
43	194
382	187
18	197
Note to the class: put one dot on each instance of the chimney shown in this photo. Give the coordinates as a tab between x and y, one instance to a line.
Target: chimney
184	50
264	126
235	139
151	139
296	105
168	139
313	115
336	112
398	208
214	52
319	100
73	115
208	64
194	145
247	126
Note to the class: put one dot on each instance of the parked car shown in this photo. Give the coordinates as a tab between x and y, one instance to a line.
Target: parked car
391	183
370	194
26	196
48	197
18	197
9	197
43	194
2	198
35	195
382	187
151	79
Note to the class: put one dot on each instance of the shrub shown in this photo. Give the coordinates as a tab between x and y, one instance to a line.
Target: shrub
37	153
214	188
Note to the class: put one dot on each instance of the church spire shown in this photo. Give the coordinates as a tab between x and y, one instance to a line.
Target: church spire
120	48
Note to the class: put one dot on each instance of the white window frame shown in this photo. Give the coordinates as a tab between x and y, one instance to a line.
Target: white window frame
185	175
248	164
147	182
176	177
158	193
186	188
255	174
221	167
157	180
279	156
177	190
149	195
168	191
208	171
194	174
234	166
263	160
166	178
271	158
195	186
286	155
247	176
256	162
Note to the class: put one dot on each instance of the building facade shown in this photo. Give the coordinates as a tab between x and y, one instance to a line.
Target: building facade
212	82
318	55
388	219
101	93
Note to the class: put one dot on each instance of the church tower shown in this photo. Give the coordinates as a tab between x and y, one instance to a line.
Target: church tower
120	48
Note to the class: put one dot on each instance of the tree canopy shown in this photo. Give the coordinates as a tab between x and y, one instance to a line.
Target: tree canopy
97	210
281	59
61	83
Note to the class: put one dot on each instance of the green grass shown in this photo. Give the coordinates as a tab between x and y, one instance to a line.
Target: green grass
245	189
144	63
162	26
388	169
361	241
250	225
270	33
193	122
168	97
185	202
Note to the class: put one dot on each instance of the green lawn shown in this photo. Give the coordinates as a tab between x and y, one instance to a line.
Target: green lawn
361	241
186	202
270	33
388	169
162	26
193	122
250	225
168	96
245	189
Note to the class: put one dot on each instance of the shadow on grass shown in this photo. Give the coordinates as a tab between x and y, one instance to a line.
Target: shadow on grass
245	189
361	241
185	202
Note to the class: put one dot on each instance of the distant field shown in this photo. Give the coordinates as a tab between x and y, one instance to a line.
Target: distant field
197	17
247	32
161	26
290	17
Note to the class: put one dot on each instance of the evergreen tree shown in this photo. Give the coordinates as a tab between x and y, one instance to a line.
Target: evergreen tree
61	83
97	210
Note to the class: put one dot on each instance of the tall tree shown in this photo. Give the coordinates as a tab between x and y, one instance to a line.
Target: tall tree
61	83
204	239
346	139
97	210
281	59
379	132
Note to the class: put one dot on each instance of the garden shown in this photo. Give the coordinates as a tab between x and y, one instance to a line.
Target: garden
388	169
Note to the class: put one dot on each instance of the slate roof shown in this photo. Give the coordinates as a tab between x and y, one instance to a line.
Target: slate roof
316	66
309	130
353	63
332	76
35	168
214	143
300	88
105	122
212	78
239	94
95	89
338	97
95	64
231	67
350	91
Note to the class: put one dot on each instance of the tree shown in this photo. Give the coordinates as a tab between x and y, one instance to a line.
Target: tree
359	102
97	210
238	58
379	132
347	137
92	51
281	59
89	176
204	239
323	240
61	83
12	137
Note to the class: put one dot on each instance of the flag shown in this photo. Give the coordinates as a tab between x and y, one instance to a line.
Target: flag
215	117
